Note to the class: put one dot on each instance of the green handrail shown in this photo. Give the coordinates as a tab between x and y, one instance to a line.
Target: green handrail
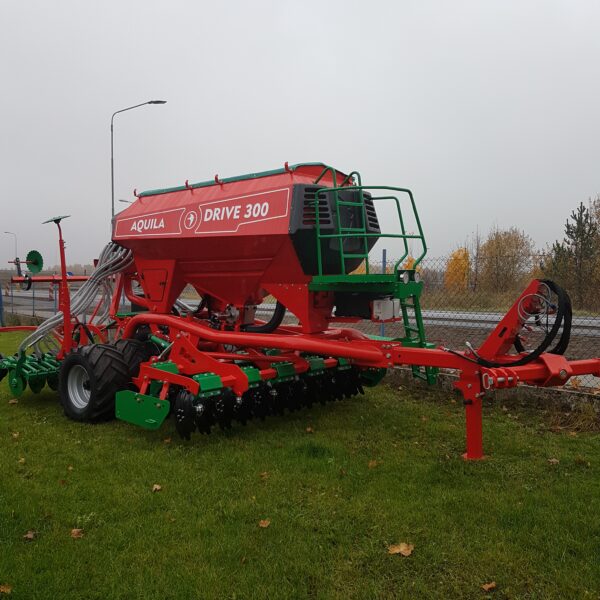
349	176
363	234
333	171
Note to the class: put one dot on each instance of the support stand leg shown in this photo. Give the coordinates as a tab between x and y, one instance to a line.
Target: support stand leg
474	430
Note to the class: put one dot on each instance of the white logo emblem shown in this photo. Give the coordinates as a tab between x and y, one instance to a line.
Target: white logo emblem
190	219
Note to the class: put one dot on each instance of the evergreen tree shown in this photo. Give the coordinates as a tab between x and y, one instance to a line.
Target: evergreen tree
573	262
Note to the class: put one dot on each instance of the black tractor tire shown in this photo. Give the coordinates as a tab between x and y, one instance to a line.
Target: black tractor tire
135	353
88	380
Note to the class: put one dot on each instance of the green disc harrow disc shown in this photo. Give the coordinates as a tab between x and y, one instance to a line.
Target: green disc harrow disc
16	384
36	383
35	262
52	382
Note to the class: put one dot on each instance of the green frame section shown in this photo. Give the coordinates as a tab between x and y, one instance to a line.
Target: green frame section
24	369
145	411
383	284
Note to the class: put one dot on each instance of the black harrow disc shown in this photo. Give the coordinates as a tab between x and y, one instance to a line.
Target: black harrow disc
264	399
318	388
300	389
332	387
289	397
275	399
185	414
357	382
349	383
223	408
259	401
203	416
313	390
242	408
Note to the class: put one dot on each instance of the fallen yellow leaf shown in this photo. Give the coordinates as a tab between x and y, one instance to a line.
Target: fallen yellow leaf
488	587
21	461
309	429
15	435
167	440
30	535
373	464
553	461
264	475
156	487
76	533
5	589
264	523
13	401
70	468
403	548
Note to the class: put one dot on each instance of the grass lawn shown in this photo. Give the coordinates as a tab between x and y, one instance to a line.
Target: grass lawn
374	471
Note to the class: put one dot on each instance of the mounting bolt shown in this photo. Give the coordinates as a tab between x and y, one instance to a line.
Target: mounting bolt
388	355
469	386
562	374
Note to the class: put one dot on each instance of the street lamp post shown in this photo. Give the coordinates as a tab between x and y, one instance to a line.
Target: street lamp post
12	297
112	160
15	236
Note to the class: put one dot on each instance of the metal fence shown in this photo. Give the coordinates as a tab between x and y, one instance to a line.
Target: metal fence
461	303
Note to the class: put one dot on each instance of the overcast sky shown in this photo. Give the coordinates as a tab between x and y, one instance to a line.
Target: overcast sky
488	110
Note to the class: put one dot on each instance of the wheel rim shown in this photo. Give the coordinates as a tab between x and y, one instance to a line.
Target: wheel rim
78	385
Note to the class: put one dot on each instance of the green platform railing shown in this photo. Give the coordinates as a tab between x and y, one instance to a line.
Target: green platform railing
360	232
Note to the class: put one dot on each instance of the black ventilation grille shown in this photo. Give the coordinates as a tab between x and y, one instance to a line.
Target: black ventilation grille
372	222
309	208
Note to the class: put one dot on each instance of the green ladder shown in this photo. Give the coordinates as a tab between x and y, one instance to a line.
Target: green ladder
414	335
358	232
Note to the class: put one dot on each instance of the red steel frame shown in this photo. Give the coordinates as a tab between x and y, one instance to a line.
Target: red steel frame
197	347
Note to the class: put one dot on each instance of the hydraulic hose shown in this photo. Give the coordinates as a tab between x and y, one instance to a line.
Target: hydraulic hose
564	316
113	259
272	324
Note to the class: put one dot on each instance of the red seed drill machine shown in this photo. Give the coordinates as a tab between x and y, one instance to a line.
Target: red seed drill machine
296	236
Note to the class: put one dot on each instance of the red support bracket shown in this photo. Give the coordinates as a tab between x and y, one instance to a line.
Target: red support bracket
470	387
